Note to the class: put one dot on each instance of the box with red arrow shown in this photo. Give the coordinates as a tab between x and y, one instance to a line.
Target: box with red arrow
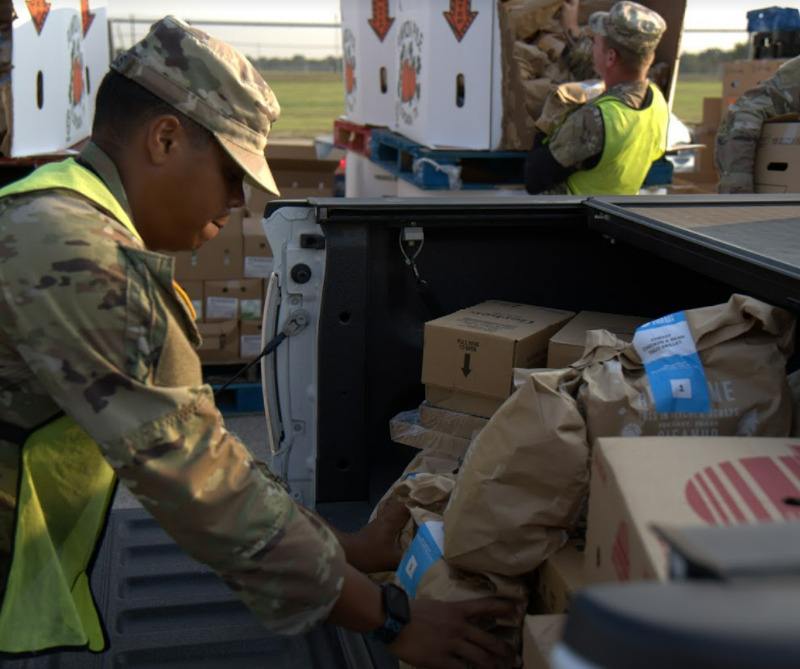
58	56
369	47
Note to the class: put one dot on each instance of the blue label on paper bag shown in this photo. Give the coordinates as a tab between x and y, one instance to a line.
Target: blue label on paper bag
421	554
673	367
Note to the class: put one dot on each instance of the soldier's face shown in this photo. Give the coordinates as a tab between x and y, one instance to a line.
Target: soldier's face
207	185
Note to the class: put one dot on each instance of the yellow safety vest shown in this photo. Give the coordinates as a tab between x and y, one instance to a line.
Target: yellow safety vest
64	493
634	138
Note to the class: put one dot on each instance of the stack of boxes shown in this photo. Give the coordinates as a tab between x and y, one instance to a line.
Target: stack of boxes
225	280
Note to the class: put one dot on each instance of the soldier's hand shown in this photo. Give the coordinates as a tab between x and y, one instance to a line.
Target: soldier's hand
569	17
375	547
442	636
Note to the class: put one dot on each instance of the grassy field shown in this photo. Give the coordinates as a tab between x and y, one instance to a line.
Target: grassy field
689	94
310	101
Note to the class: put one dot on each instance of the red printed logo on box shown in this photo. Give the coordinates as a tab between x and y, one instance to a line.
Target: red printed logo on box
408	86
749	490
349	54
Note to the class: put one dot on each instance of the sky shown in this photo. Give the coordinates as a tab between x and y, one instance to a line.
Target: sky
321	42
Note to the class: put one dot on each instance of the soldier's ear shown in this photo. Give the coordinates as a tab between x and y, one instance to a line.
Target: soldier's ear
164	135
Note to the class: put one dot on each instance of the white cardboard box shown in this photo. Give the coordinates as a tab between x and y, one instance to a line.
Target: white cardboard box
59	56
369	48
448	73
363	178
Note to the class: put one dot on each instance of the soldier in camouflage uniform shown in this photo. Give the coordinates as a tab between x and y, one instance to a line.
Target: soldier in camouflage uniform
740	130
583	155
96	345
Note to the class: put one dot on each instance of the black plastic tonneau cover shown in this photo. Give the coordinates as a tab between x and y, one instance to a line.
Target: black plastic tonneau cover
751	242
163	610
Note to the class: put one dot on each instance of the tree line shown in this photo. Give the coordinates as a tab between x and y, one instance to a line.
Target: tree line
710	61
298	64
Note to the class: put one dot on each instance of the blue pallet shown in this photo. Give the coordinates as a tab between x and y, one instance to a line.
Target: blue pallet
239	398
479	169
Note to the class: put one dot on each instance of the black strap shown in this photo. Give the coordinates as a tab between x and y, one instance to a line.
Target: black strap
19	435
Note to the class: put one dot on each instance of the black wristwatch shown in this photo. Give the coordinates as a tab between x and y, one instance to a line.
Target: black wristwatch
397	610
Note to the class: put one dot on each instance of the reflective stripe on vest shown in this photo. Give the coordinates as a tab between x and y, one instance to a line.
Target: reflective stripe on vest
64	492
634	138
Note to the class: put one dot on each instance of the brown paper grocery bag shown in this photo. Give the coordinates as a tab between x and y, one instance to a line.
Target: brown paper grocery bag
743	346
523	480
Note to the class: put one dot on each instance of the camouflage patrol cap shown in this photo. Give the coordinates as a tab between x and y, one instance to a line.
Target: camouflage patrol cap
631	25
213	84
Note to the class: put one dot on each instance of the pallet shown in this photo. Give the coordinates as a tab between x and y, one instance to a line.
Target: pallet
478	169
239	399
352	137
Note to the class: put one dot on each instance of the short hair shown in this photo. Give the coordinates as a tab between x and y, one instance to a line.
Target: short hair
631	60
122	106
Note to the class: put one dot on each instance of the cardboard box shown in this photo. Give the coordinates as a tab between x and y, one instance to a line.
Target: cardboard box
475	350
777	165
58	56
561	576
363	178
539	635
463	402
448	71
249	339
194	289
233	299
217	259
739	76
712	112
258	260
566	346
220	341
369	52
405	428
452	422
638	482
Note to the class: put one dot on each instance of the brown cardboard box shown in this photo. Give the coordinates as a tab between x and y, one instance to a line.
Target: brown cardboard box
638	482
249	339
739	76
219	258
777	166
561	576
566	345
194	289
236	298
452	422
220	341
463	402
712	112
258	260
475	350
681	186
539	635
405	429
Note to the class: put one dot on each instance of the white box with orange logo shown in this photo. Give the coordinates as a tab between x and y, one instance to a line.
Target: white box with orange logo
369	54
681	481
449	82
58	56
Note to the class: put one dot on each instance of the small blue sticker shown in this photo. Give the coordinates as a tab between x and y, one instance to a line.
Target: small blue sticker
421	554
673	367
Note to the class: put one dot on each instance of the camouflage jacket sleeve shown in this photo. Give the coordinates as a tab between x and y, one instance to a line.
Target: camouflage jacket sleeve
578	57
580	138
738	135
86	314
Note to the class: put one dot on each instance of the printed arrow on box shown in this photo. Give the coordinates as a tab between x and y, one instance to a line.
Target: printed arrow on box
86	16
39	10
466	368
381	21
460	17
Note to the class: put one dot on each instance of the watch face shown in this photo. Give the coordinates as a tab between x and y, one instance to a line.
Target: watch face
397	603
